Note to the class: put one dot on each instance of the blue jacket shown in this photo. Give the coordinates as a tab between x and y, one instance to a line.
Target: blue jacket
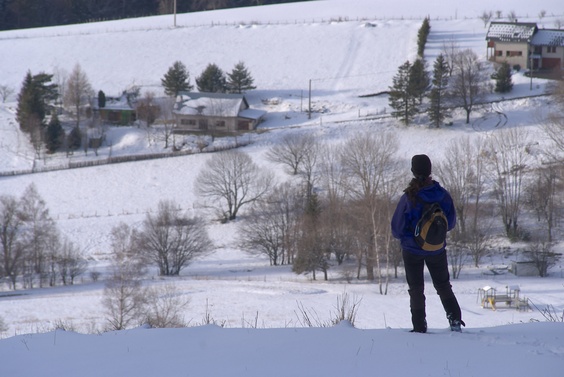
407	214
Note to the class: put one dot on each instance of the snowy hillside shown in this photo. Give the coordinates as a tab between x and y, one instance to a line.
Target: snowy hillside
347	49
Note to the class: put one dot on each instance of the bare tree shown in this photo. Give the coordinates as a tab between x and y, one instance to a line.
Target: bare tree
147	109
508	162
172	240
368	160
6	92
166	120
542	195
542	255
292	150
469	80
165	305
124	295
463	174
60	77
553	123
40	236
450	50
271	223
78	91
11	246
232	180
486	16
309	166
311	253
70	262
512	16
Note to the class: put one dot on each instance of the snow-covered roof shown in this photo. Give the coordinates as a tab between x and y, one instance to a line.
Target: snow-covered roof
511	31
252	114
210	104
117	103
548	37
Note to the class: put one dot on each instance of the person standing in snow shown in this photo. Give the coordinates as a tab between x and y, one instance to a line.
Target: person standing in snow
423	189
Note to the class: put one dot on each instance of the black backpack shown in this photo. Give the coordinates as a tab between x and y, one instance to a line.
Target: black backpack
431	229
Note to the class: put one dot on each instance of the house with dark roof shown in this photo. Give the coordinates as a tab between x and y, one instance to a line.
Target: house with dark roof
525	44
215	112
548	49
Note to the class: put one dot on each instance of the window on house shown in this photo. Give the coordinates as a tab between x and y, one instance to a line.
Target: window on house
220	123
551	49
188	122
538	50
499	53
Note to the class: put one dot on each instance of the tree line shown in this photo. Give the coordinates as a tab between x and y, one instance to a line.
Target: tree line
20	14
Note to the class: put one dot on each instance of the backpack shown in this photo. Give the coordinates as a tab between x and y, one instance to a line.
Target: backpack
431	229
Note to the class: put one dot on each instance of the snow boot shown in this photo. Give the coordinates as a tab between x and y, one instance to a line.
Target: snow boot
418	320
455	324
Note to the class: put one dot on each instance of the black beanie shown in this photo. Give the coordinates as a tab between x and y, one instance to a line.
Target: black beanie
421	165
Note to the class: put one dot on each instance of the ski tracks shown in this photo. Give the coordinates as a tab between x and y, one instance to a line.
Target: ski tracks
494	118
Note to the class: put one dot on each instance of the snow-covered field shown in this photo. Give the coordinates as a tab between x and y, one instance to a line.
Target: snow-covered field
347	48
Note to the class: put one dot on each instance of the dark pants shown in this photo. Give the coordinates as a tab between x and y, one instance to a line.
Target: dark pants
438	269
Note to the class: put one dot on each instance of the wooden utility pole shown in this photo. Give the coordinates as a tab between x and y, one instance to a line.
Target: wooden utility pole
309	109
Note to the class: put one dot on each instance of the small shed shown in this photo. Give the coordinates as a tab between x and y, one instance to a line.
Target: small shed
526	268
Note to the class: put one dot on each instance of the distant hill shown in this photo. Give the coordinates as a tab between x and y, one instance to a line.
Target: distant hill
20	14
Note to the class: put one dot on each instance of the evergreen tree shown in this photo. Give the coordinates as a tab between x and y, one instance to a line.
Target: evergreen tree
74	140
437	111
54	135
240	80
48	91
176	80
212	80
418	79
401	97
101	99
422	35
30	111
36	94
503	78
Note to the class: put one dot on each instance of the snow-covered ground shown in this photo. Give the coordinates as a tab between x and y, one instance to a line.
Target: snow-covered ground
347	48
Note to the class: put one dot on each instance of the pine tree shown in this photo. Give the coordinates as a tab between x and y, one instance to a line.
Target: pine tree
437	111
48	91
212	80
30	111
422	35
240	80
101	99
401	98
54	134
74	139
503	78
418	79
176	80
